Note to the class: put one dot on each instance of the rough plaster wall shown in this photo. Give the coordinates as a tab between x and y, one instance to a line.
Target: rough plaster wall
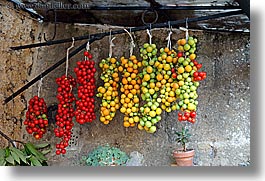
16	28
221	136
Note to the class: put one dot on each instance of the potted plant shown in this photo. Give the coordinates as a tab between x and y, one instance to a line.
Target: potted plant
183	156
106	156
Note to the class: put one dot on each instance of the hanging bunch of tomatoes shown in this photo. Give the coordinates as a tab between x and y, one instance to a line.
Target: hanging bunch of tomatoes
165	79
36	117
168	81
150	111
109	91
65	112
188	77
130	90
85	73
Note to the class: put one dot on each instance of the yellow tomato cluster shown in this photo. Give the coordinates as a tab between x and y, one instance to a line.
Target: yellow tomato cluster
130	90
150	111
109	91
165	83
185	70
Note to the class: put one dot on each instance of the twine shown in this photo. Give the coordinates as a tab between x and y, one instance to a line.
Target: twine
88	46
39	86
132	45
87	49
150	36
187	32
111	44
185	29
169	40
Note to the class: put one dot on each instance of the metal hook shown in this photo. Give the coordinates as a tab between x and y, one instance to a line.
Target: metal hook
55	22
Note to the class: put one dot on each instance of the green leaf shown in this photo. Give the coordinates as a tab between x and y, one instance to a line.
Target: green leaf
15	156
30	147
2	153
10	159
44	152
20	154
2	162
35	161
35	152
7	152
42	145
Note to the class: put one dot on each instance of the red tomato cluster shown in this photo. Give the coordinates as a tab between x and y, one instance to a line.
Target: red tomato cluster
65	112
36	117
187	116
85	72
198	76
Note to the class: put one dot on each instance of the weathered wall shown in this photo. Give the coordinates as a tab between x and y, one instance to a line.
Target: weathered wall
221	136
16	28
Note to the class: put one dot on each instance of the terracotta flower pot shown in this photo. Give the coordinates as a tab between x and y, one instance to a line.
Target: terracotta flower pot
184	158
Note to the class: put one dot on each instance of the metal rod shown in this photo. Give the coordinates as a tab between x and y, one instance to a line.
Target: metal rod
173	7
44	73
102	35
159	25
8	138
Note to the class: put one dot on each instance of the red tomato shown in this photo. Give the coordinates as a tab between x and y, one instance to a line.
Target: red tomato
187	114
199	66
86	53
195	74
180	54
193	114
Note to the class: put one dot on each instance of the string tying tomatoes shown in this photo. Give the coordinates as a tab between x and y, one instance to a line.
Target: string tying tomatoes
109	91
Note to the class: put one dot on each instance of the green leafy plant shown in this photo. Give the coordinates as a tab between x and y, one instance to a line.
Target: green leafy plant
106	156
29	155
183	137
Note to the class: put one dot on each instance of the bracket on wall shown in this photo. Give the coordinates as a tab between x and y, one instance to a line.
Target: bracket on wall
55	22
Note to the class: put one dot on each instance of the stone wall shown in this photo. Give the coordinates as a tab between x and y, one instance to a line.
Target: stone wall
221	136
16	28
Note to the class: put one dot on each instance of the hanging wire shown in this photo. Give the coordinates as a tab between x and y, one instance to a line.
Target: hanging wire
67	56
